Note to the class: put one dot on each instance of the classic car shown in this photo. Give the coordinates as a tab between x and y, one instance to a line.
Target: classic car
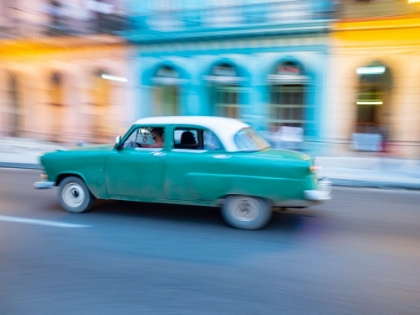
191	160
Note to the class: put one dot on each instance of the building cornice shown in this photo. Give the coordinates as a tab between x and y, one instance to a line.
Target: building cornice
62	42
150	37
402	22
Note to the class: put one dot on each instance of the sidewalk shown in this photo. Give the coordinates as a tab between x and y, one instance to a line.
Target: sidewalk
24	153
372	172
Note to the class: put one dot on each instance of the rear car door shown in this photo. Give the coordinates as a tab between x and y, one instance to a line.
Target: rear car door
192	164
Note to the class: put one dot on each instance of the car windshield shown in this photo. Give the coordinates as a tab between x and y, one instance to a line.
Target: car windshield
248	139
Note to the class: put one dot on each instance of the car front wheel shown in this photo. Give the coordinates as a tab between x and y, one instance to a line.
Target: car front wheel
248	213
74	196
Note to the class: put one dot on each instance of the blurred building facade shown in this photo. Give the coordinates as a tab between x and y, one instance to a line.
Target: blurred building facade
257	60
54	56
345	72
374	78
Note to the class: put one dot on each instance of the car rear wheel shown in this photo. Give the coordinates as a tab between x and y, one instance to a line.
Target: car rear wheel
74	196
244	212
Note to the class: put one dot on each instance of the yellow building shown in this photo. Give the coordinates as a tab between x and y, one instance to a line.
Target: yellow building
374	83
63	75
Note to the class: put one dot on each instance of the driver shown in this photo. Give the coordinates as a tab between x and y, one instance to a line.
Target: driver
157	134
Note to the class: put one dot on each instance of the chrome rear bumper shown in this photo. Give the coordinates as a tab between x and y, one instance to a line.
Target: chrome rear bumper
44	185
322	193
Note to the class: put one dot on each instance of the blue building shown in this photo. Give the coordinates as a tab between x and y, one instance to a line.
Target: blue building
261	61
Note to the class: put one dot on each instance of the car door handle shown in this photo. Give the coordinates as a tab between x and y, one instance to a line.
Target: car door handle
158	153
221	156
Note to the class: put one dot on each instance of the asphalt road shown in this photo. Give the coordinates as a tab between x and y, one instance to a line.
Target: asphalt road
357	254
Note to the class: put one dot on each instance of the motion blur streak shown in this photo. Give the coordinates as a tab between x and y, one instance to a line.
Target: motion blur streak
336	79
5	218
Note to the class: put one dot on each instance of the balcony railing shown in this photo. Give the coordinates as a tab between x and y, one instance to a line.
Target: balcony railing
282	11
19	28
377	9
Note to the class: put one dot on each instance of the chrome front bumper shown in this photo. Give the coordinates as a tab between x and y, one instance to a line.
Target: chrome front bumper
322	193
44	185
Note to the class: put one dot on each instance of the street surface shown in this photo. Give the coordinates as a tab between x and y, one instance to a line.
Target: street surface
357	254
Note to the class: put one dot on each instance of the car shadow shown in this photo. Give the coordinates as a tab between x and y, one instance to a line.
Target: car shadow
291	220
199	234
167	212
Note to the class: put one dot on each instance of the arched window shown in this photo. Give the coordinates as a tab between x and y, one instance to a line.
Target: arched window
101	89
15	110
56	96
287	96
225	91
166	93
56	89
373	98
101	101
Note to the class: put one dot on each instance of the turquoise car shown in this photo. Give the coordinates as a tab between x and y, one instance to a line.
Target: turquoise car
191	160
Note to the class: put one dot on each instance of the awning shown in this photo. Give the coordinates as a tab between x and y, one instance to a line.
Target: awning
223	79
287	79
168	81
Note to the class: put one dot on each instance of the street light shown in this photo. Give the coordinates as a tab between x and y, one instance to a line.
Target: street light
113	78
371	70
369	103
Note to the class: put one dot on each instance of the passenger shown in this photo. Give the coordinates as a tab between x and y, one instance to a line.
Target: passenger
187	138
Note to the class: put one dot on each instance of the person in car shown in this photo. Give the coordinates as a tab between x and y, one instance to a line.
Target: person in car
187	139
157	134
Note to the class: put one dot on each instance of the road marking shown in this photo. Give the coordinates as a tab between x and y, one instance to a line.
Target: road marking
7	168
6	218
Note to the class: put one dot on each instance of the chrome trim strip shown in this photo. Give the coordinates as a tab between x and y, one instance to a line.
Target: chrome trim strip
44	185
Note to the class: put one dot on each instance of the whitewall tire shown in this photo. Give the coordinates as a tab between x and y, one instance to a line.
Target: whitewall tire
244	212
74	196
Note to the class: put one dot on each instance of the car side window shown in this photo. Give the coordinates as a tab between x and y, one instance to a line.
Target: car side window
196	139
211	142
145	138
187	139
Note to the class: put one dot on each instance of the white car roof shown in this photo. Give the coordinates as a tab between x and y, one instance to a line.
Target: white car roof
224	128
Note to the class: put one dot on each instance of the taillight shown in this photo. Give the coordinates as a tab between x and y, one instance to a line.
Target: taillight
314	168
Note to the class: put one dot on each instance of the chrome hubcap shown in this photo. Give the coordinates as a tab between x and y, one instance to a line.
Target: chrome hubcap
245	209
73	195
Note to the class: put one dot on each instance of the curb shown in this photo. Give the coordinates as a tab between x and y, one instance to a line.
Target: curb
21	165
364	183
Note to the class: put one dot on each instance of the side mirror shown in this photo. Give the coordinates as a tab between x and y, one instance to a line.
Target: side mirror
118	142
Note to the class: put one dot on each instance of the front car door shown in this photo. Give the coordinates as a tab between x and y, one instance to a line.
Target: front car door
135	171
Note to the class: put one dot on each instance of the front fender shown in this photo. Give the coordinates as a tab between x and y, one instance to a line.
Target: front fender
89	167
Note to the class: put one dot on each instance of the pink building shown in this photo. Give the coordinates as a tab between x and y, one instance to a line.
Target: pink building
63	71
